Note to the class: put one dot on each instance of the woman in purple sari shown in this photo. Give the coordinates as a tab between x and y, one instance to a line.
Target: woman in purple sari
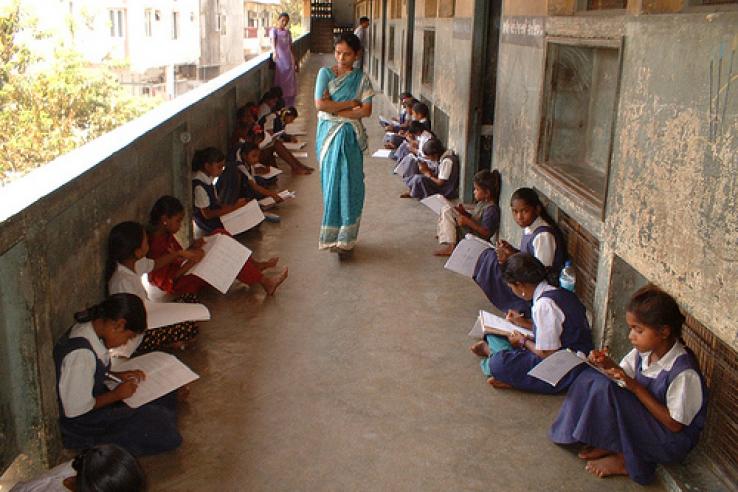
286	67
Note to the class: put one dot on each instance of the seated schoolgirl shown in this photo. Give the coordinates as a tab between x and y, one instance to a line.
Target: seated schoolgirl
267	103
240	178
90	413
165	219
483	220
400	121
245	120
415	137
437	174
127	262
208	164
102	468
419	112
541	238
282	118
559	321
659	414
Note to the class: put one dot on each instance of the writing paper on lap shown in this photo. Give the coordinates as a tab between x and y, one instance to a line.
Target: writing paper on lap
164	374
464	258
243	219
557	365
382	153
435	202
224	258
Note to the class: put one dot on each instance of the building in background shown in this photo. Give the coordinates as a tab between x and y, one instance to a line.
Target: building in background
259	16
221	37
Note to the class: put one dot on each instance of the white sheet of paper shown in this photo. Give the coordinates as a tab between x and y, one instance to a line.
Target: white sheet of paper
160	314
284	195
164	374
477	330
243	219
224	258
300	155
435	202
273	171
384	121
464	258
382	153
294	145
556	366
492	322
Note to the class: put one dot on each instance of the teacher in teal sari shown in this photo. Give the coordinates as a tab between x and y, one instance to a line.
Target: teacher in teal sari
343	96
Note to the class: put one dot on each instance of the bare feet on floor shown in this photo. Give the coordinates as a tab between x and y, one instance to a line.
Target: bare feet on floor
481	349
265	265
444	250
270	284
406	195
613	464
590	453
498	384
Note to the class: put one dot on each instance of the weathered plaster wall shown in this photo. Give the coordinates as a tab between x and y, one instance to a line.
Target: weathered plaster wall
52	252
671	204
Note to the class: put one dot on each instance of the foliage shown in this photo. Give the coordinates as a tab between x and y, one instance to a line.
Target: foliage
50	108
294	9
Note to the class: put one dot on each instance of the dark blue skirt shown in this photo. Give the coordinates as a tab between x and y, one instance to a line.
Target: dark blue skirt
488	276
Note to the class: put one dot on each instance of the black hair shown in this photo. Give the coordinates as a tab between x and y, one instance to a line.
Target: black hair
490	181
523	268
290	111
405	95
283	14
530	198
364	19
108	468
655	308
270	94
205	156
123	240
244	110
117	306
247	147
415	127
433	147
351	40
166	206
421	108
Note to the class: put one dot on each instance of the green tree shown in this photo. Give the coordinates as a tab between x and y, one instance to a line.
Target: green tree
49	109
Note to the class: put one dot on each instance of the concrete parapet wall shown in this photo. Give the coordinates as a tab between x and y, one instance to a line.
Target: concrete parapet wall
53	231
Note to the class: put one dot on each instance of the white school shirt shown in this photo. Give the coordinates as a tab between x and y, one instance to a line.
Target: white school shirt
684	395
50	481
202	200
125	280
77	375
445	168
548	318
544	244
264	110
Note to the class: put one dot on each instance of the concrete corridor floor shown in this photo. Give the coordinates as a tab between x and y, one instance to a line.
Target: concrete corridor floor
356	375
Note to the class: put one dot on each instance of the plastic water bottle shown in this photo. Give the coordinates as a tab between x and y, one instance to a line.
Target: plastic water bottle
568	278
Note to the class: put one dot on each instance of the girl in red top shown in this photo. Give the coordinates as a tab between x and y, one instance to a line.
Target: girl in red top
165	220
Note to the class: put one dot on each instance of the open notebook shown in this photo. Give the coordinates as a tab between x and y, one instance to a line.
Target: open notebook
164	374
488	323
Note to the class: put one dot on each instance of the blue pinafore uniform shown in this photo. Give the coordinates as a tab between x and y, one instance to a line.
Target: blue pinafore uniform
488	272
149	429
207	225
512	366
599	413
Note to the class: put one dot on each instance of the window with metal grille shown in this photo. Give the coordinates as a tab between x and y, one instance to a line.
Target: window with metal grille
117	23
606	4
429	49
